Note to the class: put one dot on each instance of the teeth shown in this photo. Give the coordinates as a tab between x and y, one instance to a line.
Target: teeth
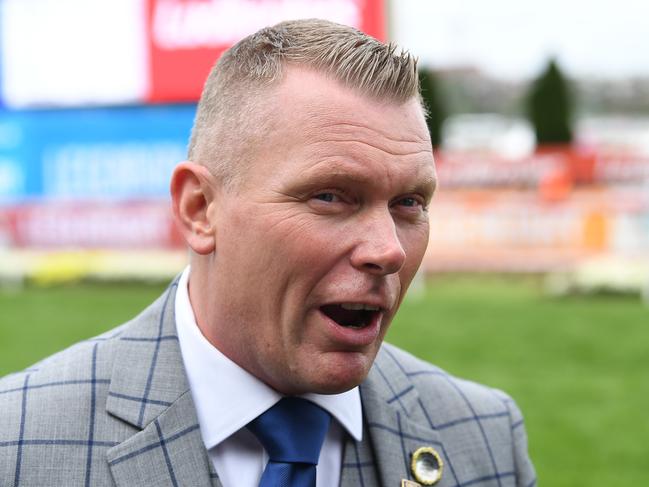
359	306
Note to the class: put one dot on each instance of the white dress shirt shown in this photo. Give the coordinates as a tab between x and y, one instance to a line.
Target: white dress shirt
227	398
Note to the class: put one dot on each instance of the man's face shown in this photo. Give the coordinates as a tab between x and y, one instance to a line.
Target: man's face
317	245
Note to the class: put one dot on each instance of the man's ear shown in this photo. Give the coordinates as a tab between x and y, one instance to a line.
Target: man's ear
193	189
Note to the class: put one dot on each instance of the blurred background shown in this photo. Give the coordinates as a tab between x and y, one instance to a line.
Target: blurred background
538	262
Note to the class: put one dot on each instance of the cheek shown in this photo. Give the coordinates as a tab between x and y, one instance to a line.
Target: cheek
279	258
415	242
304	239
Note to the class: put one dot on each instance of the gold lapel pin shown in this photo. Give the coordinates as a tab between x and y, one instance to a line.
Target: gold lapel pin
426	465
409	483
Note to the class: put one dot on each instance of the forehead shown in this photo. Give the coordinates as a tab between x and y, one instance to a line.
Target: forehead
311	102
317	124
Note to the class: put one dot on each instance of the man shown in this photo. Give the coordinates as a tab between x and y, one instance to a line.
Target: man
304	203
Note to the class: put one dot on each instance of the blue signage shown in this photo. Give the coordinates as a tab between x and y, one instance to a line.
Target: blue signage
113	153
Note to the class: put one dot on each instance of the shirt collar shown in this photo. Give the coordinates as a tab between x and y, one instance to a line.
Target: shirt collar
226	396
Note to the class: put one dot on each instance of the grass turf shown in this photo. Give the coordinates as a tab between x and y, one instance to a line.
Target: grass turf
576	366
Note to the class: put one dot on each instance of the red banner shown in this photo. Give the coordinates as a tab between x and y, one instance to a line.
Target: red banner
131	225
186	37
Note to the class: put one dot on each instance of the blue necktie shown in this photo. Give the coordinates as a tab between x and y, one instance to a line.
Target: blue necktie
292	432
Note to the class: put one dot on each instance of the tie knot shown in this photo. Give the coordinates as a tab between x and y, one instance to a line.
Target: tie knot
292	431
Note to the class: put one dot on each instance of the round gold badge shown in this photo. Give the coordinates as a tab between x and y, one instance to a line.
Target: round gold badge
426	465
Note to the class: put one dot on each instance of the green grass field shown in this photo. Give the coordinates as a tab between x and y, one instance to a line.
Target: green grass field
578	367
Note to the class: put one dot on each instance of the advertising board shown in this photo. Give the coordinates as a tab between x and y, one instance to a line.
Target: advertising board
1	57
185	37
92	52
72	53
110	153
466	169
521	231
90	225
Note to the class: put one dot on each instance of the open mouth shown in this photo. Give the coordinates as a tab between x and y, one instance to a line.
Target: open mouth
351	315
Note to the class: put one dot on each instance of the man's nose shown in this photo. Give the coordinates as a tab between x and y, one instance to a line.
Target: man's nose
379	250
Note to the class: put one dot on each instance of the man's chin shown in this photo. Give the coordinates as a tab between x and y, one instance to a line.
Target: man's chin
321	373
341	372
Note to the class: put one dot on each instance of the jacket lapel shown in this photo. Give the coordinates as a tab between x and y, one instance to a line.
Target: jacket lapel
149	391
395	426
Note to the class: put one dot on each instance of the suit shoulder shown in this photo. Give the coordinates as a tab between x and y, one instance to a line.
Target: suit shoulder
439	386
64	376
60	377
74	362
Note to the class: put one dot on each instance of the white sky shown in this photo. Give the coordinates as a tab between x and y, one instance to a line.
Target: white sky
513	38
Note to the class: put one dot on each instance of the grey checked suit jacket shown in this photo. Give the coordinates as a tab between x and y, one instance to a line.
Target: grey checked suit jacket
117	410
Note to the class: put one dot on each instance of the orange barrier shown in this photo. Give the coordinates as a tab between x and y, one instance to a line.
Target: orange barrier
524	230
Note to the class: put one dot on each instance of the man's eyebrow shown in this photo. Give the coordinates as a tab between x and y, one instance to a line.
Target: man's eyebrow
427	185
314	180
341	172
347	174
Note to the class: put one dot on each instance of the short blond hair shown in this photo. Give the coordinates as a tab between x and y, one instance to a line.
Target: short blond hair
230	120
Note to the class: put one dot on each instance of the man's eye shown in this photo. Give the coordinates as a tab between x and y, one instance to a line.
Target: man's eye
326	197
408	202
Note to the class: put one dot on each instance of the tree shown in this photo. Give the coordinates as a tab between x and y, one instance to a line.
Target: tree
550	105
430	92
